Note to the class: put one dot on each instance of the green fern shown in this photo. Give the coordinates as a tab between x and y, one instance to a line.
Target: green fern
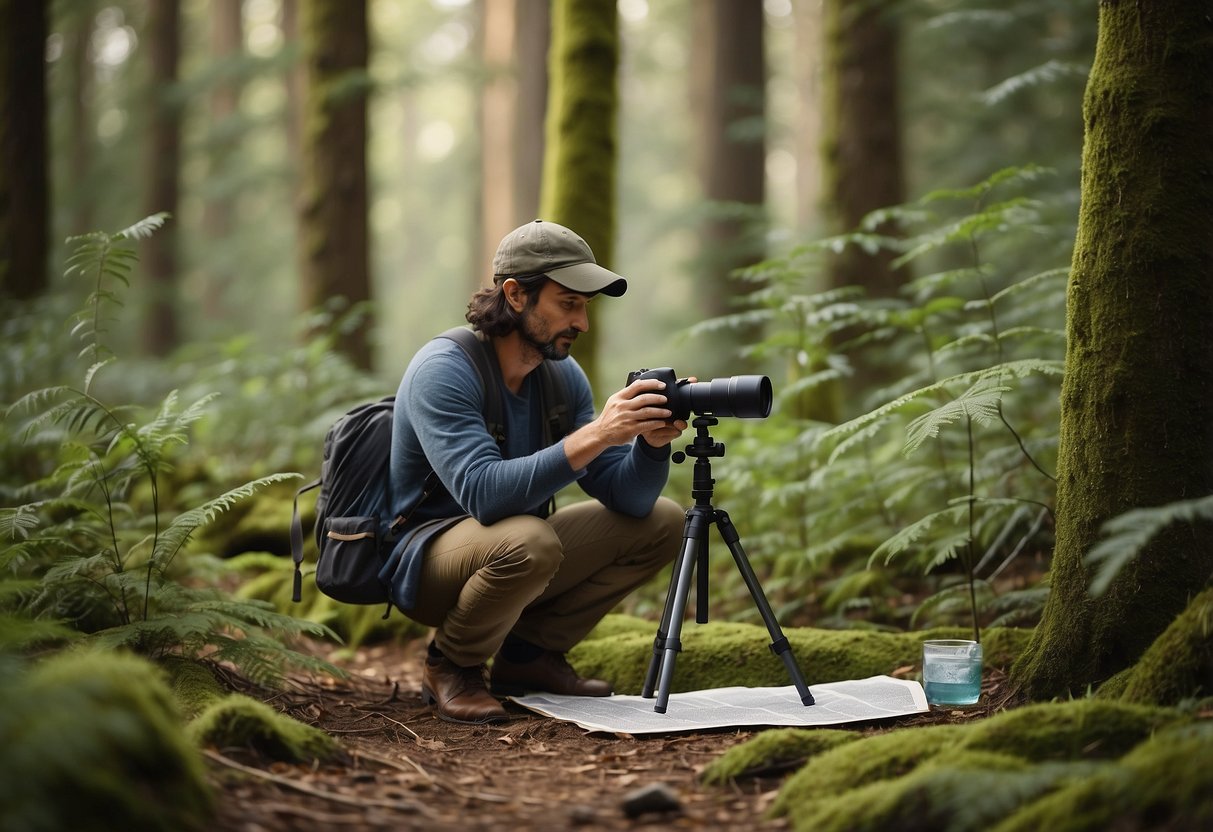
1127	534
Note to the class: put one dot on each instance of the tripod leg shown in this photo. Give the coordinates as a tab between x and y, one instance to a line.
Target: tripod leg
672	644
779	642
650	678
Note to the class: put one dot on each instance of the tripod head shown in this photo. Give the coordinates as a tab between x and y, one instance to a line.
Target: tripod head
703	447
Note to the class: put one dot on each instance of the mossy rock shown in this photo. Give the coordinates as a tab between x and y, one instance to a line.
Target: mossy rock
1177	667
967	790
773	751
193	685
971	776
238	720
1163	783
1074	730
723	654
870	760
94	741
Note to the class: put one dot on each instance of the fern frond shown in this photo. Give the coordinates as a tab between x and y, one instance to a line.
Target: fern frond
913	533
145	227
1038	76
16	523
979	403
1127	534
174	537
877	415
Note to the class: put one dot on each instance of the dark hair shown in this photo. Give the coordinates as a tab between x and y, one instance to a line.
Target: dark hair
489	312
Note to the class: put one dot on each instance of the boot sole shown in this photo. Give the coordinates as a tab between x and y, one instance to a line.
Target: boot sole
428	698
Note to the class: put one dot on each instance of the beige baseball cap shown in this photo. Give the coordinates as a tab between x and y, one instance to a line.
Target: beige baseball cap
547	248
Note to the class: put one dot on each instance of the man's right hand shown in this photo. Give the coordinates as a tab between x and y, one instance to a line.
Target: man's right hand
637	409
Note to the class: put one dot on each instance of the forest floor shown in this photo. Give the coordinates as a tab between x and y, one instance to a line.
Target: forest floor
403	768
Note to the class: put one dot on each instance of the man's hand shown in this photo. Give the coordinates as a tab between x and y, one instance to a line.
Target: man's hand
636	410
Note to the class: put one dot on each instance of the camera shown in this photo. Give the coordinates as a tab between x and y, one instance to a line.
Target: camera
747	397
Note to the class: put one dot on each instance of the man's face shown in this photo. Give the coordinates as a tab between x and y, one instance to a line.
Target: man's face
554	320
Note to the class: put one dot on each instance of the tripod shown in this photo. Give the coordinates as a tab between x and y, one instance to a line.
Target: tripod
695	547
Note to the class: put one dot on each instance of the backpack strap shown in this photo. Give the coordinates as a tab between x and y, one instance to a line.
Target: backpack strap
297	541
557	422
477	350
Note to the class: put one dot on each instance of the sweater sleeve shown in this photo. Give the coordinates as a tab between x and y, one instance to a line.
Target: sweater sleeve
445	409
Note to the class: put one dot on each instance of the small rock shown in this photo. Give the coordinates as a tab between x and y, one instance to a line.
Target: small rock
583	815
657	797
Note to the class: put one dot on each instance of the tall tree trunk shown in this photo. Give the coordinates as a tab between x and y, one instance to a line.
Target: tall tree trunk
863	169
579	160
78	55
808	19
160	327
227	45
1137	399
729	65
511	111
24	186
334	238
295	81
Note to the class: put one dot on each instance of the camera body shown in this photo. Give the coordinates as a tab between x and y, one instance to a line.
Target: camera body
746	397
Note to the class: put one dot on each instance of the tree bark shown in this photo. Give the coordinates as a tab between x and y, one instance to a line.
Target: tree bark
731	72
227	45
579	159
160	325
511	106
1137	398
334	238
24	180
863	167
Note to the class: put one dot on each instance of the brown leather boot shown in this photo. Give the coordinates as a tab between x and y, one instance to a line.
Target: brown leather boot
459	693
549	672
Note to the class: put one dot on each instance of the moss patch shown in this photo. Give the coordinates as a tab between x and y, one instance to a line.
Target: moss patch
193	685
773	751
1079	729
238	720
1164	783
721	654
1042	765
93	741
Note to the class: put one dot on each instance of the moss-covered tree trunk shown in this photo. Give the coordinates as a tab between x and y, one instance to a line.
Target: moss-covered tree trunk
579	158
333	234
1137	400
24	198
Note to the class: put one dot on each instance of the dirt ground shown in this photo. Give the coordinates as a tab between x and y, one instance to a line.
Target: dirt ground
403	768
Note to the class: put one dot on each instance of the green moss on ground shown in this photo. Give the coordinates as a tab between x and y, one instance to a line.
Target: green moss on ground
723	654
870	760
93	741
773	751
193	685
1035	767
238	720
1164	783
1074	730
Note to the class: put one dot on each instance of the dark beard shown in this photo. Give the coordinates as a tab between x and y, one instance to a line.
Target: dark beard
545	346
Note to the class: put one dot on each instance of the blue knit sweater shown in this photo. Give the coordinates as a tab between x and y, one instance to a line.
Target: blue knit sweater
439	422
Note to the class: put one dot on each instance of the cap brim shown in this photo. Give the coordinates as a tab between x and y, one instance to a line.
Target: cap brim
589	279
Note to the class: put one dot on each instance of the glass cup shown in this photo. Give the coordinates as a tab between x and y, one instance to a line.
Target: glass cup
951	671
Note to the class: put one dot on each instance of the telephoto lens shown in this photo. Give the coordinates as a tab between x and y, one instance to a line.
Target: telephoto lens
746	397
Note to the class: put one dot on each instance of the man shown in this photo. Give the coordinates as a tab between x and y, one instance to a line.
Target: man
480	561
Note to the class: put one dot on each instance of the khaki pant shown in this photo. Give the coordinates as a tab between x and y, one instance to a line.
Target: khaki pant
549	581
